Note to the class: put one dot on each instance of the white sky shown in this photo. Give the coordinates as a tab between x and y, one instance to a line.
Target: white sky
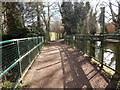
115	9
93	4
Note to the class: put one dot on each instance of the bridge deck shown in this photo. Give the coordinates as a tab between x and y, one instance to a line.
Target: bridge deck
59	66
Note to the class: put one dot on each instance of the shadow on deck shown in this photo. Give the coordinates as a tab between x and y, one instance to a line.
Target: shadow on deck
60	66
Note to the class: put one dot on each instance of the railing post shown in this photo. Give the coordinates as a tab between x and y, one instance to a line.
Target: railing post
38	43
41	39
102	52
118	59
65	40
18	52
92	47
102	37
28	48
77	42
116	76
68	40
81	43
84	44
72	39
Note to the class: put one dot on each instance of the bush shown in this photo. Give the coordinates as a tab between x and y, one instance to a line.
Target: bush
19	33
7	85
37	31
23	33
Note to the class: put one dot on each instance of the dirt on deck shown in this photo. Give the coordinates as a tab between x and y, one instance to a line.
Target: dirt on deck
60	66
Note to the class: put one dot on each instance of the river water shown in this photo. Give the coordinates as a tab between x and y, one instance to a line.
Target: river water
109	57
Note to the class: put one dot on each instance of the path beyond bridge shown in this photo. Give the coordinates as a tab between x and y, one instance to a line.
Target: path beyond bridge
60	66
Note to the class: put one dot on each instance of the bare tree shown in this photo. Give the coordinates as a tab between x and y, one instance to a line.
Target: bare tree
92	19
115	16
57	27
46	16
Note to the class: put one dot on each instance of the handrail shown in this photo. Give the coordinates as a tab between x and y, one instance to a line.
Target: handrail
7	41
17	56
76	41
9	68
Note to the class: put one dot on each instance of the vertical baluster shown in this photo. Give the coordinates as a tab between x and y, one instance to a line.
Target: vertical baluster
102	52
28	49
102	37
18	52
92	47
118	59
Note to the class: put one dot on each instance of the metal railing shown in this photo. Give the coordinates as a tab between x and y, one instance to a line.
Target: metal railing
87	44
16	55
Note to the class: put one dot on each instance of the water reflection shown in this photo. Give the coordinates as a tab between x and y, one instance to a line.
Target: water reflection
109	57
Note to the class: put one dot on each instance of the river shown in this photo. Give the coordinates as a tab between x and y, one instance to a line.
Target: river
109	57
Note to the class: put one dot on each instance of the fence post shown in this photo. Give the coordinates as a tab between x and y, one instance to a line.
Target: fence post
84	44
28	48
37	44
118	60
102	37
73	39
92	47
66	41
18	52
116	76
80	44
77	42
39	41
70	40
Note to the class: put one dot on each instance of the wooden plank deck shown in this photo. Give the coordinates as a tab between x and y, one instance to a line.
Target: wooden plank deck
60	66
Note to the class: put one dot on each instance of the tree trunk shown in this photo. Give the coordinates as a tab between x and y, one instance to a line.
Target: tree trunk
38	17
47	36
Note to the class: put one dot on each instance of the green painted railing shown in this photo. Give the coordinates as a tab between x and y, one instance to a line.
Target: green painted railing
16	55
87	44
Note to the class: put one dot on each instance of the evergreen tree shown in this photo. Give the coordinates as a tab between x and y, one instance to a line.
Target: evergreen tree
75	18
66	12
13	19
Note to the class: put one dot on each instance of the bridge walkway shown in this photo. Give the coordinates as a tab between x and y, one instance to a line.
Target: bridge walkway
60	66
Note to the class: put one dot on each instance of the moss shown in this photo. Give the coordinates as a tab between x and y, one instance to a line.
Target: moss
22	85
106	71
94	62
7	85
118	85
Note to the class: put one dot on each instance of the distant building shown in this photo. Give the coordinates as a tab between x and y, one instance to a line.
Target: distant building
111	28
